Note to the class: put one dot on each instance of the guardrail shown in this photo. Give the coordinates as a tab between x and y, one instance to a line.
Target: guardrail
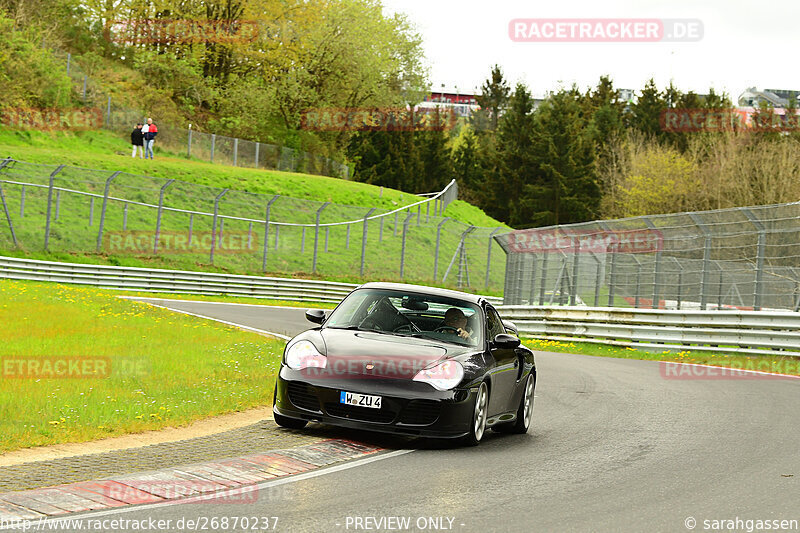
177	281
748	332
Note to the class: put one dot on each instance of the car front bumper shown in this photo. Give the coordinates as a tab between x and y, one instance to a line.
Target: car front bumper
407	407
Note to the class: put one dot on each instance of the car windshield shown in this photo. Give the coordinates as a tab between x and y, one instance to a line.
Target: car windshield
406	313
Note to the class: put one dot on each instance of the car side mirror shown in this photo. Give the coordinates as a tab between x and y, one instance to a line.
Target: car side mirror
511	327
505	341
317	316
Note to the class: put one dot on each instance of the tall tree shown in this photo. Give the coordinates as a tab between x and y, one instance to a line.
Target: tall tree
565	189
508	185
494	96
646	112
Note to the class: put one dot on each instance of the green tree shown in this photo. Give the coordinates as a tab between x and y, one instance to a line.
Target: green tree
494	96
646	112
514	169
565	188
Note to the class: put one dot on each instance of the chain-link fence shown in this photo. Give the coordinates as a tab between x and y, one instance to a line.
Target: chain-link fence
76	210
200	145
741	258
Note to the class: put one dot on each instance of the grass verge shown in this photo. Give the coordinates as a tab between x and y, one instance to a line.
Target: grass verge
152	368
763	363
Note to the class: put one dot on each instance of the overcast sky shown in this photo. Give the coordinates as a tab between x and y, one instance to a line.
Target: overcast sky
745	43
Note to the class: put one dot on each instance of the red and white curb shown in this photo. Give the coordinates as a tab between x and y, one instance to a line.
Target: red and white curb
224	481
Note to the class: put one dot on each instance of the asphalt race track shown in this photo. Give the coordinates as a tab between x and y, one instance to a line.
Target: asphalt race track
614	446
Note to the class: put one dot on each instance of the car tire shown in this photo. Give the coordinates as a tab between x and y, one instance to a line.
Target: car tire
524	411
477	427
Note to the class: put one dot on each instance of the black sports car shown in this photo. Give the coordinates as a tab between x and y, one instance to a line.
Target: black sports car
409	360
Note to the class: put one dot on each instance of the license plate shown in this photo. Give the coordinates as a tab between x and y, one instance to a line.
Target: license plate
360	400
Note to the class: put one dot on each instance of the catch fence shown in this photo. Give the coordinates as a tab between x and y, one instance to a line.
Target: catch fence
741	258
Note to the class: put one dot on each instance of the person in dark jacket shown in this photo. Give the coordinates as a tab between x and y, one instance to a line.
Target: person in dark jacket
149	138
137	140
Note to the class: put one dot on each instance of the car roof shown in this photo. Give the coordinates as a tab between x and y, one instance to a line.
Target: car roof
422	289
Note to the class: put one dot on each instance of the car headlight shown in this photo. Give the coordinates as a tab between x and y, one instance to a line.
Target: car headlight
443	376
303	354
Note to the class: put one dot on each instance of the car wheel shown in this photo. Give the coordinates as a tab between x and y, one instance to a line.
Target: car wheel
479	415
524	411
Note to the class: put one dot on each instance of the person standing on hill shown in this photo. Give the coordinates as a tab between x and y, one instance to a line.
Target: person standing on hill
149	137
137	140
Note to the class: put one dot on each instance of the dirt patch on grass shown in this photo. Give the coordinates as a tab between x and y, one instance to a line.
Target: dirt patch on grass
200	428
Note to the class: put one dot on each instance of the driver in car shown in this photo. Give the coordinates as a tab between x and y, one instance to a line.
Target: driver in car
455	318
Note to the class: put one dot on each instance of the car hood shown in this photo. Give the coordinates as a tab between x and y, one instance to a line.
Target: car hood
382	355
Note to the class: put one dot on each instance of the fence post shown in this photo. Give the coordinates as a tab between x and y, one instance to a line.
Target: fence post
403	245
213	144
50	205
235	150
532	297
543	282
380	231
364	239
706	259
191	227
266	232
638	281
108	113
419	212
459	252
5	206
436	254
303	240
347	239
489	255
258	149
762	244
69	60
576	252
189	144
597	281
612	276
214	223
316	237
125	217
161	210
656	267
680	283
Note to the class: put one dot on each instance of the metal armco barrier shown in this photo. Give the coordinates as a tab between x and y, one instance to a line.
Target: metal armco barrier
748	332
176	281
173	281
